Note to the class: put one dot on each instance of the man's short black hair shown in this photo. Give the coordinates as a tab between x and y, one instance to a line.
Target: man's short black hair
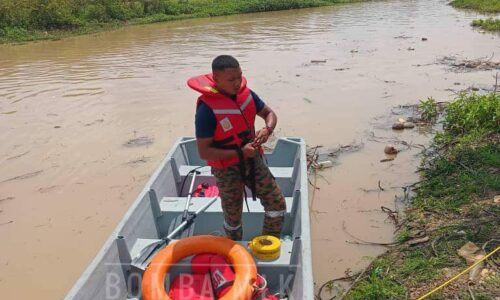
222	62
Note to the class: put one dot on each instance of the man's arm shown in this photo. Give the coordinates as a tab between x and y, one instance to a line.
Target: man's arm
208	152
270	119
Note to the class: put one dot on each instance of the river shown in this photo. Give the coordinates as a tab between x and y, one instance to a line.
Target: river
68	107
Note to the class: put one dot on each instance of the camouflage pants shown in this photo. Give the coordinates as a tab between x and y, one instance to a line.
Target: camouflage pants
231	186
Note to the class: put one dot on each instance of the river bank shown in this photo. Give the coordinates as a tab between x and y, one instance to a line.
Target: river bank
482	6
22	21
454	218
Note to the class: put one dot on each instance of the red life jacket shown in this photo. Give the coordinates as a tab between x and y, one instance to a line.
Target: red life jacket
235	119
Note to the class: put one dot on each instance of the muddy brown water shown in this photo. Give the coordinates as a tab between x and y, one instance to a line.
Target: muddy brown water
69	108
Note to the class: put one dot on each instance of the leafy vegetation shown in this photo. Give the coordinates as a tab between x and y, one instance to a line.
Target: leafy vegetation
428	109
452	205
489	24
22	20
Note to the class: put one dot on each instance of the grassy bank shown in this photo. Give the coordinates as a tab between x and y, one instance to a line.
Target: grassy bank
487	24
27	20
484	6
453	204
487	6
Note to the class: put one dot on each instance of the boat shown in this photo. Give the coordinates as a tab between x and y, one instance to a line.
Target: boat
158	212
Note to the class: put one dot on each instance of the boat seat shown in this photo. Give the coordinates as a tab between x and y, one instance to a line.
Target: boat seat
278	172
177	204
283	260
283	175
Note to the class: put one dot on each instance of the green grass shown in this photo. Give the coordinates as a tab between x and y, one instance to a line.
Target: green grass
489	24
489	6
376	287
461	168
28	20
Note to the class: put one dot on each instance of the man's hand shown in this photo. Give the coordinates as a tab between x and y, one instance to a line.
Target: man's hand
249	151
261	137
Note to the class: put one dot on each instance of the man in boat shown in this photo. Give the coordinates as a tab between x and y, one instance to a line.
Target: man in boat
227	140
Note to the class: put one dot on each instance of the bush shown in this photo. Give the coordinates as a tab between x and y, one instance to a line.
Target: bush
94	12
152	7
177	7
14	13
54	14
473	113
428	109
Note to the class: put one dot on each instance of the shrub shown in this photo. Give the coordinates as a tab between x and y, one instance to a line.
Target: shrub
470	113
15	13
487	24
94	12
54	14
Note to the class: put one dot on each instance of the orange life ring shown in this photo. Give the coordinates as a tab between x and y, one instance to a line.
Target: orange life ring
244	266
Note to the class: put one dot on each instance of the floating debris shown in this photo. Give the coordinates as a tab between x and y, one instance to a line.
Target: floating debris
94	122
479	64
324	164
44	190
17	156
9	112
390	149
318	61
319	158
409	125
403	37
137	162
398	126
139	142
307	100
387	159
24	176
8	198
9	222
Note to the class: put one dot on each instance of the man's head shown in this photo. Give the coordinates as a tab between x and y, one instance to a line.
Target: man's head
227	74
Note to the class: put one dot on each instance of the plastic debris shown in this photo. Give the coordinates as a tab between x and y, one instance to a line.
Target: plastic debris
325	164
472	253
409	125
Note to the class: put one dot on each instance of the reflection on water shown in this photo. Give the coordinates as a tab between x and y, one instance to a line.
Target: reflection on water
67	107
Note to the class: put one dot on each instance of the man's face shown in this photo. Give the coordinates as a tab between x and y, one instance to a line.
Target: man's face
228	81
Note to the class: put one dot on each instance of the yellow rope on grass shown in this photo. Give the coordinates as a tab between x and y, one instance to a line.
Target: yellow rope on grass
458	275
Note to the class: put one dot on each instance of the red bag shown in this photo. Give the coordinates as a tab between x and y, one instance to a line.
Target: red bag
192	286
222	276
205	190
200	263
